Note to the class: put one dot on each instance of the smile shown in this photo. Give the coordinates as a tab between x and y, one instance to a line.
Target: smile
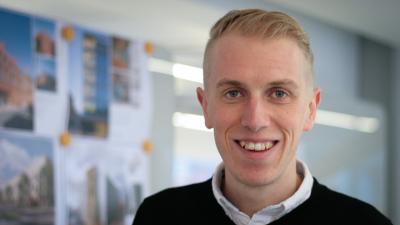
257	146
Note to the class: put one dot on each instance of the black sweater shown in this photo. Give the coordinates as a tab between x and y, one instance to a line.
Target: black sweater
196	204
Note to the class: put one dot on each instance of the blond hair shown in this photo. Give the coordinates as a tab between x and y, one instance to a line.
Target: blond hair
263	24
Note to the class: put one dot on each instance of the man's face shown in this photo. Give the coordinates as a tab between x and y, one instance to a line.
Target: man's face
259	103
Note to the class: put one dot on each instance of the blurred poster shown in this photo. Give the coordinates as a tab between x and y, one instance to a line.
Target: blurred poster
121	65
125	71
131	106
16	64
44	54
106	188
27	193
88	73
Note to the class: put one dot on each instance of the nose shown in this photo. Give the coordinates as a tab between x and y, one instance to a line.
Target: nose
255	115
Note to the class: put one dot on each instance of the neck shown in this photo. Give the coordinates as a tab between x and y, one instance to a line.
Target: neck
252	198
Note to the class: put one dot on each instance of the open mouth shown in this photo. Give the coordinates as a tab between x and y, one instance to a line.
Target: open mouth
256	146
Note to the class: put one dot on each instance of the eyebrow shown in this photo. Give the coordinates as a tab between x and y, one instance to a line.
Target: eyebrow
284	82
226	82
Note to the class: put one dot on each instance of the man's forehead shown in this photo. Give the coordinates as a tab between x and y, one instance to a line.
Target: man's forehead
221	49
242	83
273	48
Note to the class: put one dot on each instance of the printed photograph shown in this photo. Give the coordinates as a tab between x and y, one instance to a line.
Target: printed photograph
45	52
27	193
120	54
121	87
121	81
99	188
16	64
126	67
89	64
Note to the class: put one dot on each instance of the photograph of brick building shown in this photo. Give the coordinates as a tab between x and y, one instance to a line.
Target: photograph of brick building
16	63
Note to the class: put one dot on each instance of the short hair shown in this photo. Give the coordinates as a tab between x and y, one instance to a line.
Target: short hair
263	24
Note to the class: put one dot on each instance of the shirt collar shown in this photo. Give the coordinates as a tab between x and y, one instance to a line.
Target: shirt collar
270	213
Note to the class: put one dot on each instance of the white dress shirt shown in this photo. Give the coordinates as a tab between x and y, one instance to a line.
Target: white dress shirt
270	213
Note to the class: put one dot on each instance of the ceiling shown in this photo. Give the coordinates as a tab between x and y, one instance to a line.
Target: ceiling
181	26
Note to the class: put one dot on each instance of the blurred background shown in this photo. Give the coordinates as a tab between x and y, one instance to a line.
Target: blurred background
355	145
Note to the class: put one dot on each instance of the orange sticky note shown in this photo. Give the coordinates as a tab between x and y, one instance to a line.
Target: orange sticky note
149	48
65	139
68	33
147	146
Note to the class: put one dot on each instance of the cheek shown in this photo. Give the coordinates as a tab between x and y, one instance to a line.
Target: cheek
222	126
292	128
224	117
292	120
223	122
210	115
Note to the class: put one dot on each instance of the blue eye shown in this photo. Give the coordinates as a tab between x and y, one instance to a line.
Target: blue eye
279	94
233	94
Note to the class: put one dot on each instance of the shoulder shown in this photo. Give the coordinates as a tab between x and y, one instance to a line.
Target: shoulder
336	199
343	206
181	194
179	205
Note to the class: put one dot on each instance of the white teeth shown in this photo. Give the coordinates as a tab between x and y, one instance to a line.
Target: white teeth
249	146
259	147
256	146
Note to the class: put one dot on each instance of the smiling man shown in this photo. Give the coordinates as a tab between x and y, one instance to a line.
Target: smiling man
259	97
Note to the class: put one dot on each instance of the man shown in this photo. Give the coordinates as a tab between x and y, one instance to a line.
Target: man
259	97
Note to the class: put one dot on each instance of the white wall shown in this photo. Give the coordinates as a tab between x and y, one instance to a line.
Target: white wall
396	151
337	59
162	156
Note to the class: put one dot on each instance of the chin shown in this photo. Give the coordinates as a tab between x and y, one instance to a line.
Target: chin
257	178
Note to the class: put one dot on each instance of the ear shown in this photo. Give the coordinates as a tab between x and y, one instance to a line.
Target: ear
312	109
204	104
